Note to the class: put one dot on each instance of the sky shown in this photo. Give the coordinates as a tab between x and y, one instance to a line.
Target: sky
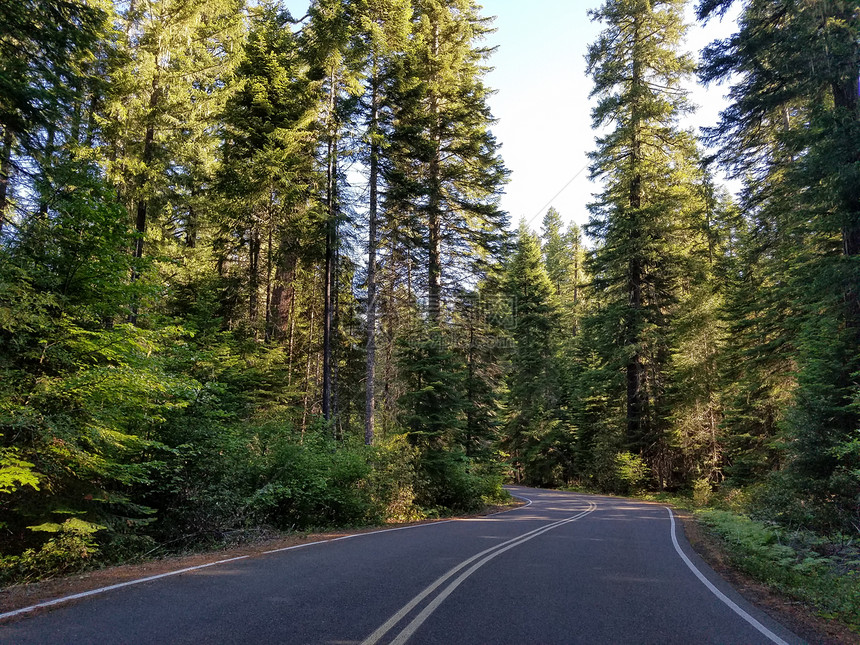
542	103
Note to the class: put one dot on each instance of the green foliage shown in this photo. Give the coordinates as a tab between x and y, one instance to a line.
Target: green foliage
630	472
447	480
797	563
537	435
649	219
16	473
793	131
432	402
72	548
702	492
178	281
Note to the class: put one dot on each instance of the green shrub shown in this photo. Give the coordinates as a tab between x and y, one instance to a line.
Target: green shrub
802	564
313	483
701	492
71	549
630	472
392	481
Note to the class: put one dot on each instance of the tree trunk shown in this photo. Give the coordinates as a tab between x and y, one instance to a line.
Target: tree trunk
47	158
370	400
192	225
331	208
5	171
283	294
148	149
635	367
309	356
142	200
253	273
268	327
434	224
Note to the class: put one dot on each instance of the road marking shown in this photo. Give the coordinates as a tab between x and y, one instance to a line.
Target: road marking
354	535
483	557
93	592
399	528
719	594
514	509
100	590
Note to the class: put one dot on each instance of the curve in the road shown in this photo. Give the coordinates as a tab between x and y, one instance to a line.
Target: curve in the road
568	568
719	594
483	557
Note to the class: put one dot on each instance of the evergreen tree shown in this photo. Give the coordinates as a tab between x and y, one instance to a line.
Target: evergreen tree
446	171
47	52
384	31
175	59
533	390
267	172
642	219
804	100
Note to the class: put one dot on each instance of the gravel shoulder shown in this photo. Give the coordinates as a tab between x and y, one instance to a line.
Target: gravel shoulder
25	595
793	614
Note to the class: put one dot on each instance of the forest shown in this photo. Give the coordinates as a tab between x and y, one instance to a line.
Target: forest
255	274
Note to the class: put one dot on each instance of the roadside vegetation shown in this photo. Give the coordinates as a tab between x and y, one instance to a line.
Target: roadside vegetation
255	276
821	571
213	500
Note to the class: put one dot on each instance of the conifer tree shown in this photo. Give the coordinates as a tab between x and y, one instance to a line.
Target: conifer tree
384	30
641	221
47	50
533	389
334	66
448	173
176	60
802	102
267	172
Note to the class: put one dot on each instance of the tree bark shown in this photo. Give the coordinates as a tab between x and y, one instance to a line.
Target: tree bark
269	234
148	149
5	172
283	294
331	213
370	394
635	367
254	245
434	223
143	200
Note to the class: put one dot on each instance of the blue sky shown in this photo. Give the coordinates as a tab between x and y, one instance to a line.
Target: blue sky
542	100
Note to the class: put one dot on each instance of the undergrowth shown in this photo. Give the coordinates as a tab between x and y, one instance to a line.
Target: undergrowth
822	571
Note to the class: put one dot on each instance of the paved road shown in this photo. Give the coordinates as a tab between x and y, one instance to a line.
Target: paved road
566	569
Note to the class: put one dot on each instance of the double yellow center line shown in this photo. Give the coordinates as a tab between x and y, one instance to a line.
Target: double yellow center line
476	561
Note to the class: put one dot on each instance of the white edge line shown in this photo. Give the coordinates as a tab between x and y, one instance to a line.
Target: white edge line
354	535
514	509
719	594
93	592
100	590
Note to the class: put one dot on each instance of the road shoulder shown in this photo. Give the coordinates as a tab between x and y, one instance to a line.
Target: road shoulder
794	615
25	595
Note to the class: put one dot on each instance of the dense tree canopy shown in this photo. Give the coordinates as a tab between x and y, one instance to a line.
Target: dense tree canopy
254	272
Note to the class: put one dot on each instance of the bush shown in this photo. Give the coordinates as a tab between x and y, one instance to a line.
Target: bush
798	563
702	492
71	549
630	472
392	481
448	481
314	483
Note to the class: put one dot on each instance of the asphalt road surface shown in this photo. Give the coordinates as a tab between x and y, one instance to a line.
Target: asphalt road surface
566	569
